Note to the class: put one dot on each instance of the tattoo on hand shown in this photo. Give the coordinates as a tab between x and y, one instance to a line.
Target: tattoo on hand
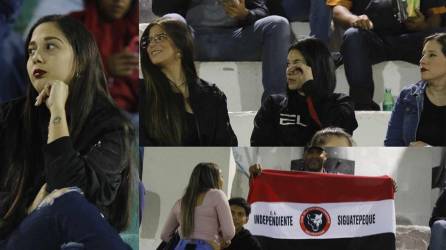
57	120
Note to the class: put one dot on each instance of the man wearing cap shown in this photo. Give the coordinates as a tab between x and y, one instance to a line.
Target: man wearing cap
314	159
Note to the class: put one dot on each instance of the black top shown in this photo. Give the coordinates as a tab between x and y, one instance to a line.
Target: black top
296	125
431	128
285	120
94	162
439	211
244	240
191	135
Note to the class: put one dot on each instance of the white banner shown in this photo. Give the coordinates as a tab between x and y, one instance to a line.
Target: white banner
287	220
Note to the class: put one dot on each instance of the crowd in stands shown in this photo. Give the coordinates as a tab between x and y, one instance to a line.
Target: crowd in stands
298	77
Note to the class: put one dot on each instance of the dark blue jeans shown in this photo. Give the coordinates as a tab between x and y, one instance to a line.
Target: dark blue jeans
70	223
362	48
267	39
438	235
199	245
316	11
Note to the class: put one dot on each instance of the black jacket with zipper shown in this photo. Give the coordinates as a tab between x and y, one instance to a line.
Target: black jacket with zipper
211	117
277	121
94	161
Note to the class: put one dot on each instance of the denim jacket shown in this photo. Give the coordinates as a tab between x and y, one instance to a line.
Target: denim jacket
405	118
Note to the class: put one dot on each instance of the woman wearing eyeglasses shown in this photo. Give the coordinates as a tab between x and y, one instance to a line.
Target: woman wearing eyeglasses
178	108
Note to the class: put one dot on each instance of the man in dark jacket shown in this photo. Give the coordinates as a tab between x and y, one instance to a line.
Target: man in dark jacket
243	239
374	34
438	224
235	30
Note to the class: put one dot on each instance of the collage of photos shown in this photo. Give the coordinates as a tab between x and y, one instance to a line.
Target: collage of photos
222	124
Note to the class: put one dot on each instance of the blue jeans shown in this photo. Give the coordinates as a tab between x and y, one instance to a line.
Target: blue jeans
362	48
316	11
267	39
199	245
438	235
69	223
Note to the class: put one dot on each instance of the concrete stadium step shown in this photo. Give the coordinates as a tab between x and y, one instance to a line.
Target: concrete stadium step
241	81
300	29
371	131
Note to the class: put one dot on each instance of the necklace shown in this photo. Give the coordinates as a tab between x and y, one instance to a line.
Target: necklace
178	88
175	84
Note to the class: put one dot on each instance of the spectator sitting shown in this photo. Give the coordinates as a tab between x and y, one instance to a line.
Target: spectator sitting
202	214
316	11
437	223
310	103
332	137
114	25
375	35
419	116
236	30
66	132
243	239
178	108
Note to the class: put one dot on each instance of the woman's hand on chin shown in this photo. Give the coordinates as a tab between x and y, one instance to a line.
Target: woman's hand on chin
54	95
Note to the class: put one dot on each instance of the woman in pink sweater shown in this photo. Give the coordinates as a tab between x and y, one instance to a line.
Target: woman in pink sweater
202	214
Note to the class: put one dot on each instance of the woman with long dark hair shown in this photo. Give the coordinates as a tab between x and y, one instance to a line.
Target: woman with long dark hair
419	116
309	105
177	107
66	132
202	214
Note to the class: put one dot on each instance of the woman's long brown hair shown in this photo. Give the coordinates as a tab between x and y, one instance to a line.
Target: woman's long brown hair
162	110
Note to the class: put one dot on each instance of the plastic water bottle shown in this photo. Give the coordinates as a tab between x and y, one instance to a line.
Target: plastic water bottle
388	102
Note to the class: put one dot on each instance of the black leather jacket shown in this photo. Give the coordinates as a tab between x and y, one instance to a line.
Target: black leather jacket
211	117
94	161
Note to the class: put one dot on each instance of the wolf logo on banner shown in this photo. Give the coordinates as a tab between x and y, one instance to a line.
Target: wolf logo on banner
315	221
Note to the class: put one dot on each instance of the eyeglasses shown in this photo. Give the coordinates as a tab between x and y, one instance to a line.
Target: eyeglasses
145	41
